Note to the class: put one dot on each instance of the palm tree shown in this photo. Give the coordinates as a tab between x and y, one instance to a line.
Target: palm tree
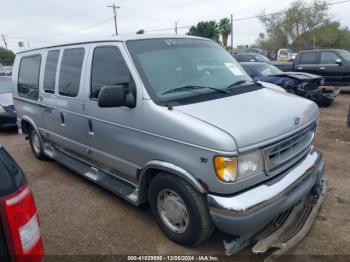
208	29
225	29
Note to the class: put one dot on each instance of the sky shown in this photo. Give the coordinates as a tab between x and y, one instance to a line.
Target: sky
45	22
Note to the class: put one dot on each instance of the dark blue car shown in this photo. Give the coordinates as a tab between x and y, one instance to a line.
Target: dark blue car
298	83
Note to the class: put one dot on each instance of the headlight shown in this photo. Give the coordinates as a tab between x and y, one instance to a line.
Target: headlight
250	164
2	110
228	169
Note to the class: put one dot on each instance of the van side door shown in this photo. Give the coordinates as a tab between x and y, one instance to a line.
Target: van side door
70	103
29	79
114	135
50	112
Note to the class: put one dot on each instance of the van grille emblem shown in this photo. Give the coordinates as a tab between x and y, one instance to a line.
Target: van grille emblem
297	121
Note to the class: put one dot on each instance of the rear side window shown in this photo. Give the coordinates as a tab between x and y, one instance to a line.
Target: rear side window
50	71
28	78
328	58
70	72
108	68
308	58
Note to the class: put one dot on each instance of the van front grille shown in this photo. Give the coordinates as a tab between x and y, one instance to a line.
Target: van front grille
284	151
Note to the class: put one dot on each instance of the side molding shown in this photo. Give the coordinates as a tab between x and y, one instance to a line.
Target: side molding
174	169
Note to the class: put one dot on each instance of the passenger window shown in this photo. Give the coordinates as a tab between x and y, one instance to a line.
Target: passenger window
308	58
70	72
328	58
108	68
50	71
28	78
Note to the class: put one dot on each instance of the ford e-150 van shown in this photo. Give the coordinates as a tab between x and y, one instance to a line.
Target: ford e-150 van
176	122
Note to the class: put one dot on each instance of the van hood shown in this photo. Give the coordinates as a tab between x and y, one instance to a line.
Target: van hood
255	117
6	99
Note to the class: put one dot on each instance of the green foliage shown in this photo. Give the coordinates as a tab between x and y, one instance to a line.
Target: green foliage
328	35
285	27
6	56
225	29
207	29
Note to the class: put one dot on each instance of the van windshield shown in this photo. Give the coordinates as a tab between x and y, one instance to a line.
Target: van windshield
178	69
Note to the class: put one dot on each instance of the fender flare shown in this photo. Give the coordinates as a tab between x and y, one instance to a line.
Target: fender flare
31	122
174	169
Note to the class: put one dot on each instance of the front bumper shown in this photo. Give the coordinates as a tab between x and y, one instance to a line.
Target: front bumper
8	120
247	213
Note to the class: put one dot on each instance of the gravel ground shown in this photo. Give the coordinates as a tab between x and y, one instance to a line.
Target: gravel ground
80	218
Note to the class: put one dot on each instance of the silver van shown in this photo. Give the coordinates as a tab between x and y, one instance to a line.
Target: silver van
176	122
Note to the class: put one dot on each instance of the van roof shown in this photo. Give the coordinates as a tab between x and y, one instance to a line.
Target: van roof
120	38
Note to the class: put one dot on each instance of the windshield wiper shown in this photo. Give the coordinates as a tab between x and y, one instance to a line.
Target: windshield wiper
193	87
240	82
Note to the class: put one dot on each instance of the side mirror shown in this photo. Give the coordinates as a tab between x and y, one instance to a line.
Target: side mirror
116	96
338	61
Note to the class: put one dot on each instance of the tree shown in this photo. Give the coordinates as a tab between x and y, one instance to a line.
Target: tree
225	30
207	29
285	27
328	35
140	32
6	56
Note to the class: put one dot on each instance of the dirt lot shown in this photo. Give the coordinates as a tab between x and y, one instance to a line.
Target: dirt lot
78	217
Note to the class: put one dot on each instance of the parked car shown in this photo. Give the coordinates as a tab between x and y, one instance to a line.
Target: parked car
20	237
251	57
284	55
175	122
332	64
6	71
254	50
302	84
8	117
272	55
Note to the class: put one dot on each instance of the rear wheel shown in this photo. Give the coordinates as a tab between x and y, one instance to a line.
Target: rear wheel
180	210
36	144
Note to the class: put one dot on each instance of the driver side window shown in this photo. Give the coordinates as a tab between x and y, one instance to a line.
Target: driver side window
108	68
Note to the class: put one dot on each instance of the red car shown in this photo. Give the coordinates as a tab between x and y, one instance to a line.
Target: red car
20	237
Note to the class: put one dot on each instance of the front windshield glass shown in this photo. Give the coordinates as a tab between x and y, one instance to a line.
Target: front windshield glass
5	84
168	64
345	54
266	69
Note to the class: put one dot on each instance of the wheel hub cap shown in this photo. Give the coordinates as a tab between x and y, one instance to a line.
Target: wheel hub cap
172	211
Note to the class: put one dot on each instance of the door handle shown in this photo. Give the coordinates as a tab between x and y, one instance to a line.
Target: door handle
300	68
322	68
62	119
91	128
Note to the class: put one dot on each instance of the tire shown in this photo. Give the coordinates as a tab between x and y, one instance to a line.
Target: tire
36	145
199	225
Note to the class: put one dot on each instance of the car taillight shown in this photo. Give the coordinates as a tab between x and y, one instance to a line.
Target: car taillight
22	226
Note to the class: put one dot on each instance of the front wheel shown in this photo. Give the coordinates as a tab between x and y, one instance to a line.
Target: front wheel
180	210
